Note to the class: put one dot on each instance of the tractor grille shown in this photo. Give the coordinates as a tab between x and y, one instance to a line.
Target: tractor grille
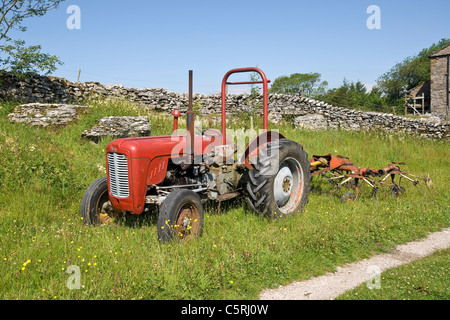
118	175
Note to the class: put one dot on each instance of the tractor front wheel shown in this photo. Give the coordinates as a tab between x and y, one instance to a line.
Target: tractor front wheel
180	216
96	208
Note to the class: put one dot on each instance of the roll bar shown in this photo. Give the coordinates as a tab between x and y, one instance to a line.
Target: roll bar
265	95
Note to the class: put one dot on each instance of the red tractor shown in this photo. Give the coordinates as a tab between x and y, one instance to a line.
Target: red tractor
180	171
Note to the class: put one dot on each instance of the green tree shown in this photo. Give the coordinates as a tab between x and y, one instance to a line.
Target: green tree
408	74
15	56
308	84
354	95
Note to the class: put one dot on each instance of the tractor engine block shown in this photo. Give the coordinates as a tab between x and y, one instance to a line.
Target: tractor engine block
222	179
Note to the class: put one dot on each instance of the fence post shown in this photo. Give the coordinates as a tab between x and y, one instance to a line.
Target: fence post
406	106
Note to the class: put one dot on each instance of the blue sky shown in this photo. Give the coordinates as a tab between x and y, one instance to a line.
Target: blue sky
153	44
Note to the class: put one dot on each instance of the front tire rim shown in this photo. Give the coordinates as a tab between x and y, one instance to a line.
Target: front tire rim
288	186
103	209
187	224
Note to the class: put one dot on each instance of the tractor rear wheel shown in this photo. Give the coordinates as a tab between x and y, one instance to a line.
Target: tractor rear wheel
279	184
180	216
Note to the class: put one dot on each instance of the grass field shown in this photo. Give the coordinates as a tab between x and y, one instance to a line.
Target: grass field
44	172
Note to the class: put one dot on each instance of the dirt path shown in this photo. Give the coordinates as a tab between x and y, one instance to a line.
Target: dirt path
349	276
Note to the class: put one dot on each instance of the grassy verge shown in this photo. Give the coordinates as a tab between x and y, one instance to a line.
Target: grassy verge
44	172
424	279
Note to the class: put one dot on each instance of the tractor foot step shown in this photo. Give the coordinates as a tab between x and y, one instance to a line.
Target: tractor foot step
228	196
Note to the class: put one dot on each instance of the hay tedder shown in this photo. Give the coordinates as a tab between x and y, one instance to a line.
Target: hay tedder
178	172
340	171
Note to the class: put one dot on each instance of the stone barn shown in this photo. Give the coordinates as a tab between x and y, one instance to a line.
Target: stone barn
439	87
418	99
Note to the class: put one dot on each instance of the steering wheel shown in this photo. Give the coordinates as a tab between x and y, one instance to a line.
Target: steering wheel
215	133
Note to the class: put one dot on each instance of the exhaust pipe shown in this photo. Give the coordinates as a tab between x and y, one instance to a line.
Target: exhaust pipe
190	141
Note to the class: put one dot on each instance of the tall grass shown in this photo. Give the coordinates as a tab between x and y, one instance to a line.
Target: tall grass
44	172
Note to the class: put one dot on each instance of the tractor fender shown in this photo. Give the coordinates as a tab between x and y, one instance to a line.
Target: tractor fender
260	141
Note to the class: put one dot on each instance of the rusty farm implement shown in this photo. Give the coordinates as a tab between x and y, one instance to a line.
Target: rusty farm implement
340	172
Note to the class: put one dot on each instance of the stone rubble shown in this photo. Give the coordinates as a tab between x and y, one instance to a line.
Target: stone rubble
44	115
119	127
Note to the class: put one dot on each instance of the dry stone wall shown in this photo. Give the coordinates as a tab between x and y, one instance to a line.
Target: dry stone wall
305	112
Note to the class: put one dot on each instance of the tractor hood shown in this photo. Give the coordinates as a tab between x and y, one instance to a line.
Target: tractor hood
148	147
162	146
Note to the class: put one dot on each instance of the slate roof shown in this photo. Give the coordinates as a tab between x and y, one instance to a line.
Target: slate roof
443	52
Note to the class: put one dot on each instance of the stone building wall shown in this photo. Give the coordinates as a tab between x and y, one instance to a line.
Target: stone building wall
297	109
439	79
